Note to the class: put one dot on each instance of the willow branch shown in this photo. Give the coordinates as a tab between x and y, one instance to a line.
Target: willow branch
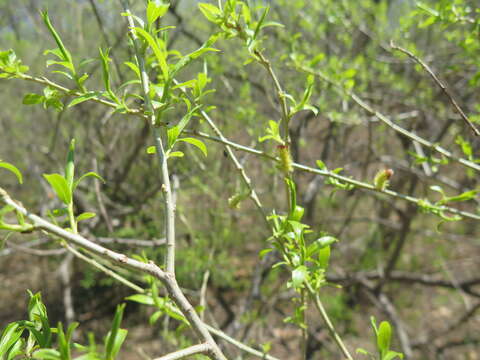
442	86
162	158
328	322
180	354
383	118
326	173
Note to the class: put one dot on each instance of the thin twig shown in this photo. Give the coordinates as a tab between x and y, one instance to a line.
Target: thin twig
161	155
192	350
171	284
408	134
442	86
326	173
326	319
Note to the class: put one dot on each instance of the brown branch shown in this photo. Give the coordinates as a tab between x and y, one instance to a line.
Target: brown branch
442	86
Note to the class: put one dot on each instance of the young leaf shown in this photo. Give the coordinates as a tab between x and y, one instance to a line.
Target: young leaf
31	99
10	336
159	54
383	337
60	186
85	216
299	275
84	97
65	53
13	169
155	11
90	173
198	143
211	12
325	241
324	257
140	298
116	336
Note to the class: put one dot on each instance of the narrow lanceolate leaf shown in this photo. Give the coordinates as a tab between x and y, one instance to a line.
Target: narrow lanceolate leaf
155	11
85	216
211	12
84	97
10	336
60	186
13	169
91	173
58	40
159	54
195	142
116	336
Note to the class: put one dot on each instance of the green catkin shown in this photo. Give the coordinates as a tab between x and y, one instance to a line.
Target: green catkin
382	178
286	163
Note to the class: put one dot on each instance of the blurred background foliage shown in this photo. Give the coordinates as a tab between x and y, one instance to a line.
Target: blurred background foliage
434	266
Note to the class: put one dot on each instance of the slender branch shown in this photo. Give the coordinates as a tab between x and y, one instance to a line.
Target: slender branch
168	279
326	319
171	283
408	134
442	86
239	344
103	268
326	173
238	166
280	94
192	350
162	158
44	81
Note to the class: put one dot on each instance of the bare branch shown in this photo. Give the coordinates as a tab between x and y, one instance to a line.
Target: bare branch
442	86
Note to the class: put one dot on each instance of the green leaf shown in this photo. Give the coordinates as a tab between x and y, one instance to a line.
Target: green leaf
390	355
468	195
151	150
264	252
325	241
65	53
362	351
133	67
195	142
13	169
155	316
10	336
175	154
47	354
384	336
211	12
324	257
260	22
84	97
31	99
90	173
85	216
142	299
159	54
299	275
155	11
116	336
60	186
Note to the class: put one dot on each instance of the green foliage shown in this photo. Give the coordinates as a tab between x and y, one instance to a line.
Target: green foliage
383	335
